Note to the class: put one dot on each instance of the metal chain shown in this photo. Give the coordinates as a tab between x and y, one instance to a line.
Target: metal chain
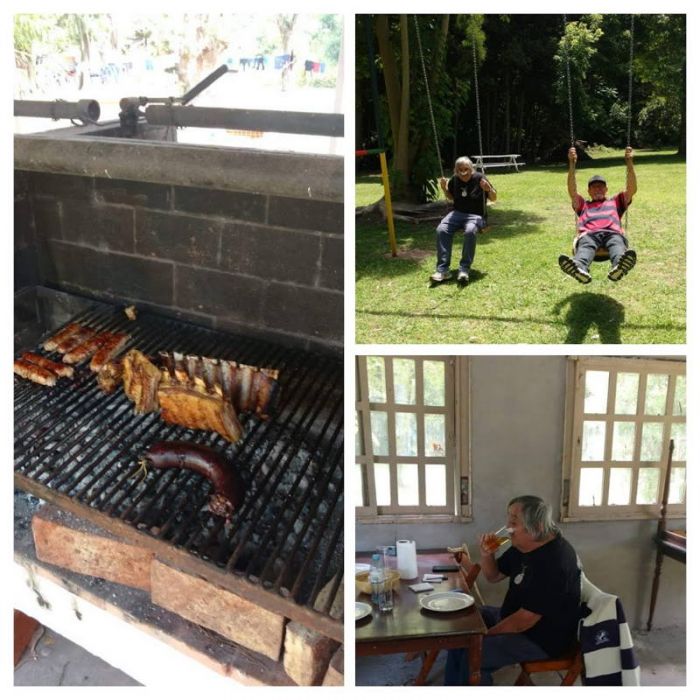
629	111
427	92
568	83
478	107
629	88
478	123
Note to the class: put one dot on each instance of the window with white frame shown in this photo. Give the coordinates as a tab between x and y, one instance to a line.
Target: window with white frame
410	442
624	414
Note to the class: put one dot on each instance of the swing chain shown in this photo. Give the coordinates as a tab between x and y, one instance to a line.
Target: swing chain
629	111
568	83
629	90
427	92
478	107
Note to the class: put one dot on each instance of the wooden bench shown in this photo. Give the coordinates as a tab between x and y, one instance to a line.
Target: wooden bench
508	160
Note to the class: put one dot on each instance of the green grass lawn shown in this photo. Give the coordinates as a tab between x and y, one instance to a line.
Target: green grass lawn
517	293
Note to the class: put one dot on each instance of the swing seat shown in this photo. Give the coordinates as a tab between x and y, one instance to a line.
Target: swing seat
601	255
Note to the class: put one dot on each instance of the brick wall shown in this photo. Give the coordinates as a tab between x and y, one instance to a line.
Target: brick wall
262	264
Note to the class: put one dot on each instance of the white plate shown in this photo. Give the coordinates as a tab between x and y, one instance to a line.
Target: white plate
446	602
362	610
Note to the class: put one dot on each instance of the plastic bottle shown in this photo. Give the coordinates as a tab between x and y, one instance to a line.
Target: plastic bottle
376	577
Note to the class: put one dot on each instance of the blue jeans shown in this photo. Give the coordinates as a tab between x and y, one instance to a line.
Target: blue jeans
471	224
587	245
498	650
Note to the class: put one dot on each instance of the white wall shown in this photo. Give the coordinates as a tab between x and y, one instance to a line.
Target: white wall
517	422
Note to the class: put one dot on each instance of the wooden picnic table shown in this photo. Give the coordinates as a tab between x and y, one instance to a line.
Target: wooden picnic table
410	628
507	160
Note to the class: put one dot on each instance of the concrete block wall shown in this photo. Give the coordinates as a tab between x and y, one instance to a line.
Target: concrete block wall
262	264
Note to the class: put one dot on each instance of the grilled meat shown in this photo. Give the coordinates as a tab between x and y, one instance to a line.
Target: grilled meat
85	350
109	349
34	373
75	339
52	343
58	368
141	378
194	408
249	389
110	376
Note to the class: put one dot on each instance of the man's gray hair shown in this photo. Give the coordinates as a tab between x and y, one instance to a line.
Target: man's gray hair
464	162
537	516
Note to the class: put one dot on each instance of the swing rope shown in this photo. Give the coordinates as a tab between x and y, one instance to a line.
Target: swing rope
427	93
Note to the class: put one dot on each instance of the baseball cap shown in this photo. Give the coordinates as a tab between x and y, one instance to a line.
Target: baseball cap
597	178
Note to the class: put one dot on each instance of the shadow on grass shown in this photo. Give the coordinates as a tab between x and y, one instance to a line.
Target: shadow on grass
586	311
371	241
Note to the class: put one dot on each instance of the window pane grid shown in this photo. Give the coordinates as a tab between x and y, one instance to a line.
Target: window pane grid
620	446
407	435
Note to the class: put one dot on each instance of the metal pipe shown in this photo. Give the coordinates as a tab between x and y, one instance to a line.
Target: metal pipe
87	111
310	123
203	84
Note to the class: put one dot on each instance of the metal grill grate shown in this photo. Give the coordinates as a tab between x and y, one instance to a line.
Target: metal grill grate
79	448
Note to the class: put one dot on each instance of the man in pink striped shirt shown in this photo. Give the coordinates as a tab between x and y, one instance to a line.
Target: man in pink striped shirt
598	224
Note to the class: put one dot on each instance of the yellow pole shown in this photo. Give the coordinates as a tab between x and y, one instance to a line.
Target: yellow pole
387	201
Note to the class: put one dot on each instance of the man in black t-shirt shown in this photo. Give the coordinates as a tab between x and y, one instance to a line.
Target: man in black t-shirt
540	613
465	190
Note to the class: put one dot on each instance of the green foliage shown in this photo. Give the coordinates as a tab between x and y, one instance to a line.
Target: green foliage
517	293
523	90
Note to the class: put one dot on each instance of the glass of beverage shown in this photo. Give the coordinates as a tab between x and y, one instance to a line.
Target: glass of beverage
495	539
385	595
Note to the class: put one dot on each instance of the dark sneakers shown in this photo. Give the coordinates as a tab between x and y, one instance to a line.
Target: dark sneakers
569	266
627	261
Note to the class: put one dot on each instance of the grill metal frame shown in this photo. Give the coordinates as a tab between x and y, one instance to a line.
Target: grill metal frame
78	448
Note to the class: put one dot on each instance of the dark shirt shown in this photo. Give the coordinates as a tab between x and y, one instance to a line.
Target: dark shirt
546	581
468	196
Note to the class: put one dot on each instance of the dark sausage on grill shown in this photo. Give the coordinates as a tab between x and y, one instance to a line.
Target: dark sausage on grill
229	488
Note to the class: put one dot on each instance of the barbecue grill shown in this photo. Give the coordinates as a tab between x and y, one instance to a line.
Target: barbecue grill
79	448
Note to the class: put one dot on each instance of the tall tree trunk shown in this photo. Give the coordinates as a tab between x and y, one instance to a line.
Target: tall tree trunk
682	136
401	161
391	74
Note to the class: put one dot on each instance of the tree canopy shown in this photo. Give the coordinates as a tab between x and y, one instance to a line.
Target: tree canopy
521	63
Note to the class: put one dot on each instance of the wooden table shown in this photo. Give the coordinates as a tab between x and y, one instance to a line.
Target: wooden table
410	628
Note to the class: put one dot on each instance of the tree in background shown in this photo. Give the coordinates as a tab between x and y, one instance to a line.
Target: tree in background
522	87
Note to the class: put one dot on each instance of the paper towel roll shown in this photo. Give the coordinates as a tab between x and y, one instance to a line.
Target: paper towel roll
406	561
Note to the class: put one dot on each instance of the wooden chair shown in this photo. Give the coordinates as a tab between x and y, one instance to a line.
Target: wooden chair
570	664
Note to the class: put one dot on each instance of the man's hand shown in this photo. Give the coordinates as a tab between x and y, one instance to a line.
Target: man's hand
573	156
485	184
629	155
443	184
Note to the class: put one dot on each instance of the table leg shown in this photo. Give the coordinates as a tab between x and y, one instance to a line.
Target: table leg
474	656
428	661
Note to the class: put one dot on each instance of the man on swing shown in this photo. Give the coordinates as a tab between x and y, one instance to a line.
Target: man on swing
598	224
465	190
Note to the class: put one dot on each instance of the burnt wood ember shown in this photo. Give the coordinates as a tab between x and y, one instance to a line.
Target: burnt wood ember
79	448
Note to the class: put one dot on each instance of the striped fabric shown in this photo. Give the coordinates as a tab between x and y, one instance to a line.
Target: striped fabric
599	216
606	641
